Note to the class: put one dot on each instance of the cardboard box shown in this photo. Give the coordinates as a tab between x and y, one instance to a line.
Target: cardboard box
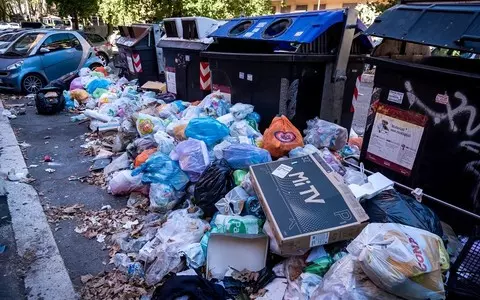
307	202
155	86
237	251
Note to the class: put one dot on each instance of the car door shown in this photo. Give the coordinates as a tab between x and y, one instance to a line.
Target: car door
77	54
62	57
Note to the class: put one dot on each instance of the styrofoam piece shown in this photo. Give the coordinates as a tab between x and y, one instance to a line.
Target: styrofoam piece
376	183
237	251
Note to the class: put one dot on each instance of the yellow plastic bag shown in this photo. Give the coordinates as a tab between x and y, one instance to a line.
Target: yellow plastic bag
79	95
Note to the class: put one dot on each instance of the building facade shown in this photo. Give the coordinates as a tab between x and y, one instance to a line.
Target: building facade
308	5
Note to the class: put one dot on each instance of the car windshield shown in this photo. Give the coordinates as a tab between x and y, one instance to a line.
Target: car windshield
24	45
5	37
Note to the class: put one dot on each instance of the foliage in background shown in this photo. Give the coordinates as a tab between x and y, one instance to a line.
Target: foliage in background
75	8
383	5
367	13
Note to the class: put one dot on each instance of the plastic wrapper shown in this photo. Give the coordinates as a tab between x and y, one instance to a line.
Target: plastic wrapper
240	110
191	112
281	137
354	177
392	207
119	163
238	176
109	109
159	168
241	156
346	281
123	183
238	224
215	182
247	185
193	157
321	133
97	83
194	256
233	202
403	260
76	84
214	105
243	129
348	150
163	197
208	130
165	142
302	151
332	161
146	124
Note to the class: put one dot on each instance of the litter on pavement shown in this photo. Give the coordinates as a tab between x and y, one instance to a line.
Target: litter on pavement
245	214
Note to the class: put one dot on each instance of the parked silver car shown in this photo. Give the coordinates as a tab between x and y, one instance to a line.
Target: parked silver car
102	47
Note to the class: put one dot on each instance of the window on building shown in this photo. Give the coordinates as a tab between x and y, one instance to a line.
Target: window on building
285	9
322	6
301	7
349	5
273	9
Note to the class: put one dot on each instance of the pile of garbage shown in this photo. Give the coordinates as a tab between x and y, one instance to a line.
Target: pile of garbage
191	161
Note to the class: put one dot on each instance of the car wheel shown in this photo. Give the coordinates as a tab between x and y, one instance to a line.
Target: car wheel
104	58
32	83
94	66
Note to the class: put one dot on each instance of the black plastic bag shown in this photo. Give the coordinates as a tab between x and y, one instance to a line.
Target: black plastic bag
392	207
213	185
194	287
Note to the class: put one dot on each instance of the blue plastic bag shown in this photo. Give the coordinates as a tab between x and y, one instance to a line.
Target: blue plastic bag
241	156
208	130
69	103
97	83
159	168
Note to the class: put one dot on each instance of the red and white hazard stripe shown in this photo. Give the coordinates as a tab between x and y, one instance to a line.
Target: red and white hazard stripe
356	92
136	63
205	76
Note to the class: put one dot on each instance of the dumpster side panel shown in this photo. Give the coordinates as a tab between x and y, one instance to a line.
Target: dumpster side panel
186	66
446	160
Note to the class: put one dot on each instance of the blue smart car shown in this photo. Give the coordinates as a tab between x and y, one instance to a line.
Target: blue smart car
40	56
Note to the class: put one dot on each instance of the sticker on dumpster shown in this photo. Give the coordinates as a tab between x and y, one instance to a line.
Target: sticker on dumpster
256	30
248	34
261	24
171	80
130	64
241	75
298	33
249	77
442	99
394	96
395	138
282	170
319	239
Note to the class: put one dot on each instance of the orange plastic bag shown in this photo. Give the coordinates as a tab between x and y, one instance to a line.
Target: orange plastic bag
281	137
101	70
142	157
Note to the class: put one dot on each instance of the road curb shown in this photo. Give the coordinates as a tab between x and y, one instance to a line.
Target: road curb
46	276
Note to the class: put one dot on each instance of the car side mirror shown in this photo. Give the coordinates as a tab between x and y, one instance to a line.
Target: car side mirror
44	50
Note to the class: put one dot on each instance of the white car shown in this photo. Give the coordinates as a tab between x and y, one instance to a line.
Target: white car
14	25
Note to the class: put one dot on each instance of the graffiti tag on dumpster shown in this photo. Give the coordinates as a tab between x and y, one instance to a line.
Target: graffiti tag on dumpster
452	113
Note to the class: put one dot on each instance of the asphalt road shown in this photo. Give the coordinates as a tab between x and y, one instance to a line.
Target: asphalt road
60	138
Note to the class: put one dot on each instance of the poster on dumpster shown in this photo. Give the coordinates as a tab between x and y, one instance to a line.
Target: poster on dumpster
395	139
171	80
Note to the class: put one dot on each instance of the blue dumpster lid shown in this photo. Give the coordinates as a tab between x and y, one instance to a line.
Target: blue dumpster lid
302	27
453	26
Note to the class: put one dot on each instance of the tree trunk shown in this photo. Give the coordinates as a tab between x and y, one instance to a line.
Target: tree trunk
109	26
75	21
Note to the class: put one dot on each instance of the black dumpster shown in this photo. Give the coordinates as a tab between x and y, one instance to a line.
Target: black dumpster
423	128
300	65
187	75
137	55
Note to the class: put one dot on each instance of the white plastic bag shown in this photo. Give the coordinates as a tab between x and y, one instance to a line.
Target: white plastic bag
165	142
403	260
123	183
241	110
147	124
233	202
163	197
346	281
